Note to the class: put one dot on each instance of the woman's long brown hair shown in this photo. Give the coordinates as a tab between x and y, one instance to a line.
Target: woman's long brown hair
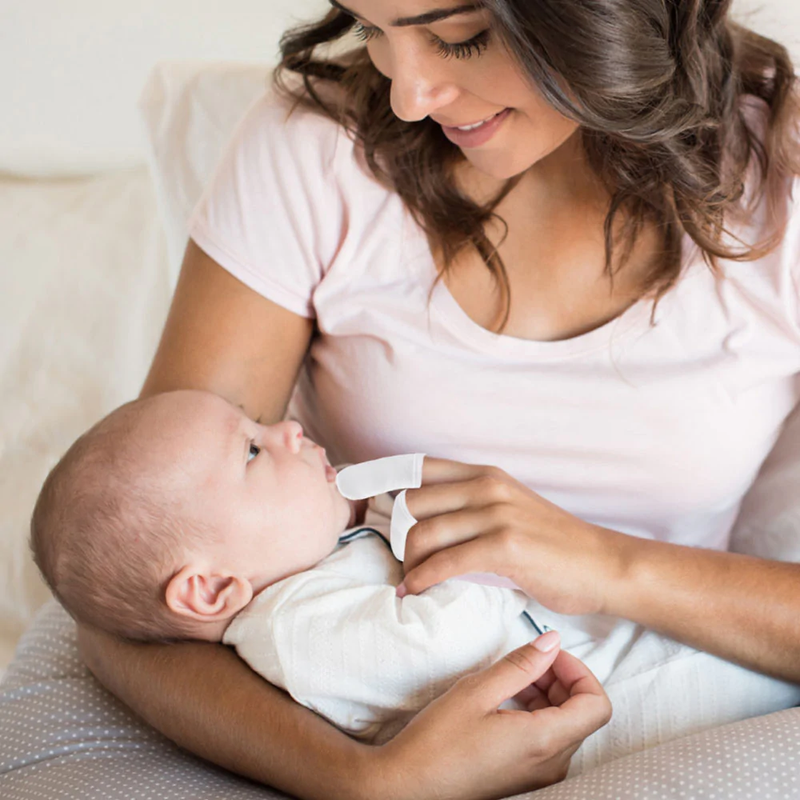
657	88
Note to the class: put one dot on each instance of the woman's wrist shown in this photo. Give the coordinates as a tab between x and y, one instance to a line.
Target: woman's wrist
620	555
356	771
376	772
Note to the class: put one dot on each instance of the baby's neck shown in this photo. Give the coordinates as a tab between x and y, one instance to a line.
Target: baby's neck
358	511
212	631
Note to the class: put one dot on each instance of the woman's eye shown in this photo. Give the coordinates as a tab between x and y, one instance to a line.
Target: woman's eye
460	50
363	32
254	451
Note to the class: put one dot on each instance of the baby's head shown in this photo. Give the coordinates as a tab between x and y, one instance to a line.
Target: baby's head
165	518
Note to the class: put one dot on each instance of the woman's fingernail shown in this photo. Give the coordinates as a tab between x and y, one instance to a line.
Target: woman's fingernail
401	590
547	641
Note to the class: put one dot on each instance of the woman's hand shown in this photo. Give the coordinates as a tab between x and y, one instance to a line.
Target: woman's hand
462	747
479	519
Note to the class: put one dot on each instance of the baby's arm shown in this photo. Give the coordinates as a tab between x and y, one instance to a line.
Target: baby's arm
358	655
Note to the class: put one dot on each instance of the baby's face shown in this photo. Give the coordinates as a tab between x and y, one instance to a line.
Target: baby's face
268	493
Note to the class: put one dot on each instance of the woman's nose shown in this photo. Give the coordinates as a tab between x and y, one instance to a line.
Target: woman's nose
419	88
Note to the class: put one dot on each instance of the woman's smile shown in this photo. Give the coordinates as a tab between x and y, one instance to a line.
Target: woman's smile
477	134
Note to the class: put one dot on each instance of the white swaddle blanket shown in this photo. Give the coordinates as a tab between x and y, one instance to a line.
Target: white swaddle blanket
338	639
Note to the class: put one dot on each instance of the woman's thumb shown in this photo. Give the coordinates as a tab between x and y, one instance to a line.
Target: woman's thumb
517	670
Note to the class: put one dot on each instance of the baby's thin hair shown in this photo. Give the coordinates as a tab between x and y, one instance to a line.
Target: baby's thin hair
105	536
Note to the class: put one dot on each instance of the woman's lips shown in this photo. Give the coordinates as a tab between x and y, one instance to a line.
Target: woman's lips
477	136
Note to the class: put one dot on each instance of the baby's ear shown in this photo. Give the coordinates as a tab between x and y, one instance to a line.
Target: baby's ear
207	596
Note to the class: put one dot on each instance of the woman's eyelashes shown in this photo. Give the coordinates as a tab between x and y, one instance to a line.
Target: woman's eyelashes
253	452
472	47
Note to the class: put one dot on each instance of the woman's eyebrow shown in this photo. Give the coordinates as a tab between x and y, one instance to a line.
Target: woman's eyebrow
427	18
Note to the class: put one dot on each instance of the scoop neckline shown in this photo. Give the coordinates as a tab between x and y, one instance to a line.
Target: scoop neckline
452	316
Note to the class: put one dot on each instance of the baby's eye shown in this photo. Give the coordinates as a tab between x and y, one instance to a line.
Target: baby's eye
254	451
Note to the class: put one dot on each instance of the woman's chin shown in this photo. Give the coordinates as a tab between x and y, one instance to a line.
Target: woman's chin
500	166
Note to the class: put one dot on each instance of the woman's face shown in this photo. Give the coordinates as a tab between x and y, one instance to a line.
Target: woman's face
445	64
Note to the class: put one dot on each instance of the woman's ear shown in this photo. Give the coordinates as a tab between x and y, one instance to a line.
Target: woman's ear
207	596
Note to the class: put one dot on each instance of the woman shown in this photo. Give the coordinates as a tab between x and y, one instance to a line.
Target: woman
507	268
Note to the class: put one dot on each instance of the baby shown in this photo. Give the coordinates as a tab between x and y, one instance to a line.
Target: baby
178	517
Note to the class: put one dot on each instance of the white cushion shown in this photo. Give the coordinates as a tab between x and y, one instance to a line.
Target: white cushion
83	296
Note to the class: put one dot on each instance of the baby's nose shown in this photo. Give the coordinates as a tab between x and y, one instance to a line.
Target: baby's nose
292	432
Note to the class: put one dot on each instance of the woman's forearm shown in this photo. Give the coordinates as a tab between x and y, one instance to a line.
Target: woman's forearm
205	699
740	608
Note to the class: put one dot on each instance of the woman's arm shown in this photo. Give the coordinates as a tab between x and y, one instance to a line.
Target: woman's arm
740	608
209	702
221	336
737	607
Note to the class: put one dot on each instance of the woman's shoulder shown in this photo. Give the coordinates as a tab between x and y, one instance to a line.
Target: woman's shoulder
292	133
274	124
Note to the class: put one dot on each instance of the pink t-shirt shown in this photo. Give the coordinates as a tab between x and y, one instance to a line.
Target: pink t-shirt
656	431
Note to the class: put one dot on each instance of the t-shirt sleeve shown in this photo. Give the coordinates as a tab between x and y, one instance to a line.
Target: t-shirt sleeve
272	214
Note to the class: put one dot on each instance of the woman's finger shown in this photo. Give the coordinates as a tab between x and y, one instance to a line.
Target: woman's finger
538	703
476	555
514	672
546	681
531	698
586	706
549	690
527	694
557	694
444	470
568	701
446	530
440	498
575	676
574	720
480	490
569	676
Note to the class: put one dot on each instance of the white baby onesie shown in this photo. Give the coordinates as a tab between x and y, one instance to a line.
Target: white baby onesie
338	639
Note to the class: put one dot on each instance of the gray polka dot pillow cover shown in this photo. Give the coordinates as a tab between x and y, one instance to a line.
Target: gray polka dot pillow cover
62	736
